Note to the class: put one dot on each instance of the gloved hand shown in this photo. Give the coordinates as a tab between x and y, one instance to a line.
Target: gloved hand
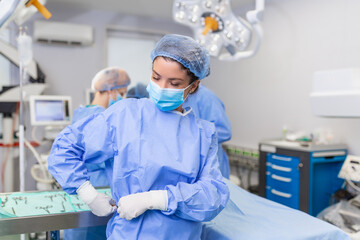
133	205
99	203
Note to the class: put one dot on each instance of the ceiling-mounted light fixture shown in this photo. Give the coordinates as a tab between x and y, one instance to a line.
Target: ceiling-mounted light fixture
216	27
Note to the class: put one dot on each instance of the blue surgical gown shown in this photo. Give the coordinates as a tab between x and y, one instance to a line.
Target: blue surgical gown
83	112
97	176
206	105
96	172
152	150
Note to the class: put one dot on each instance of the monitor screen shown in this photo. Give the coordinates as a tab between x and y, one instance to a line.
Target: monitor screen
50	110
89	96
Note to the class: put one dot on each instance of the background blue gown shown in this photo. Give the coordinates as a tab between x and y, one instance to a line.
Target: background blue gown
152	150
206	105
98	178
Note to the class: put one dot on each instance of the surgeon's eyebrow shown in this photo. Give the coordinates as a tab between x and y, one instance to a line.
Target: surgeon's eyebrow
171	79
156	73
180	79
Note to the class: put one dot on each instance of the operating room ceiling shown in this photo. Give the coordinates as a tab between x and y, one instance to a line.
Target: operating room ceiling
148	8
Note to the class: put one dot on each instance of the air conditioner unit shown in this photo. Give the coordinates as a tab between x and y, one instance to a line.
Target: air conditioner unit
63	33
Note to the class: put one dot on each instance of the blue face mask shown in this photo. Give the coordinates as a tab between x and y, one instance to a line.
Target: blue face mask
166	99
111	101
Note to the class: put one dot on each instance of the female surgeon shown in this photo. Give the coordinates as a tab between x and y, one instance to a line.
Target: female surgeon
110	85
165	176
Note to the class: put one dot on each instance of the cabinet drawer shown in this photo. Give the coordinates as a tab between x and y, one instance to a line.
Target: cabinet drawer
285	198
286	184
283	161
282	171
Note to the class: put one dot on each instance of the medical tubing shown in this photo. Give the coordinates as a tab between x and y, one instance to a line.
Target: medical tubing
33	174
4	168
8	148
33	135
41	165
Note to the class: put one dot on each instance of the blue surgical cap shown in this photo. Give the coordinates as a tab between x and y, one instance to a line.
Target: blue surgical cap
109	79
186	51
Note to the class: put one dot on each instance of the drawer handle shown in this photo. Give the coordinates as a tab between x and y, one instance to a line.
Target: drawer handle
283	179
329	154
281	194
286	159
283	169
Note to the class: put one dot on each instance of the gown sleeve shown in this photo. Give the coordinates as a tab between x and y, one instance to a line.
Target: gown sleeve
89	140
207	196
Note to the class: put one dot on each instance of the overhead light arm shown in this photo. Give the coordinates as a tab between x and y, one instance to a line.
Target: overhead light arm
254	17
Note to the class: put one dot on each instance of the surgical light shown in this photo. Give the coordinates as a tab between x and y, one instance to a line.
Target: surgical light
216	27
20	11
6	9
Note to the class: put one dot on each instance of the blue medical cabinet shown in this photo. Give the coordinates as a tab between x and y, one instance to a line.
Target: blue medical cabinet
301	177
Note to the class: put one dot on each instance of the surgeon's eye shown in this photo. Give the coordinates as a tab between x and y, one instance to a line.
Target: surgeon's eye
175	84
155	78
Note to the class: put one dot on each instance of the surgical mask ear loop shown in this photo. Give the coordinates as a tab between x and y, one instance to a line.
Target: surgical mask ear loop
189	91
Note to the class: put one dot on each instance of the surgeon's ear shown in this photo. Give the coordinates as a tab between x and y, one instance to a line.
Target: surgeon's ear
112	94
195	86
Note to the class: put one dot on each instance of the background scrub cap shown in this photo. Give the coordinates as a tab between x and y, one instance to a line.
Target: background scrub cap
139	91
186	51
109	79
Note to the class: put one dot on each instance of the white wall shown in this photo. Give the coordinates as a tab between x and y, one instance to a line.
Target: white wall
272	89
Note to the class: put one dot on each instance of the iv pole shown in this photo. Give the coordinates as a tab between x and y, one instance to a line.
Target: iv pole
25	55
21	132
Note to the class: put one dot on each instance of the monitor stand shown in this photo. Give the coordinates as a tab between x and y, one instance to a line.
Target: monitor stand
50	132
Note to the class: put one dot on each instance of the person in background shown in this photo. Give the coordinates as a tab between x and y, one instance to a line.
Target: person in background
206	105
165	176
110	85
139	91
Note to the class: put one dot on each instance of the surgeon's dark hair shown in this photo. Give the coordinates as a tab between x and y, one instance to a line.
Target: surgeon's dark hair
192	76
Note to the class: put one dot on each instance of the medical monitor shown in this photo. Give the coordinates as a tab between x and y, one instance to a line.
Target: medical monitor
50	110
89	96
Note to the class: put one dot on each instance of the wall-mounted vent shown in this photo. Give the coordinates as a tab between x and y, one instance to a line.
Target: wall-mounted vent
63	33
